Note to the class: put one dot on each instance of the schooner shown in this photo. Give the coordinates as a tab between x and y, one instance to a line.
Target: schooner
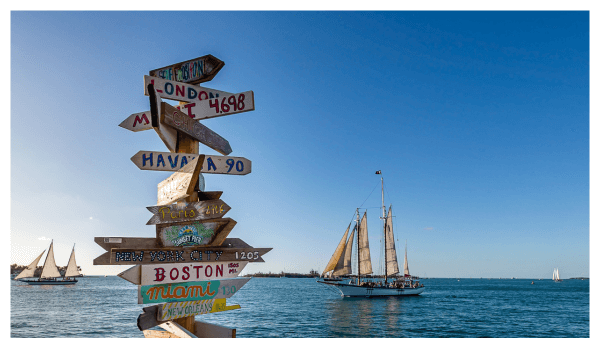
50	271
339	267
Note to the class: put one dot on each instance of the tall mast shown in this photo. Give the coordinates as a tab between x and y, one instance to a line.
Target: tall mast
384	225
358	244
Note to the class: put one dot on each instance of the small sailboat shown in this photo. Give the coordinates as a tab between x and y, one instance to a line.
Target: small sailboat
556	276
50	271
340	266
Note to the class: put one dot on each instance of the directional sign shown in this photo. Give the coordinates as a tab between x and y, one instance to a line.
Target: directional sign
180	184
182	272
194	71
125	256
138	122
220	106
213	164
184	211
178	292
170	311
108	243
194	233
180	91
167	134
177	120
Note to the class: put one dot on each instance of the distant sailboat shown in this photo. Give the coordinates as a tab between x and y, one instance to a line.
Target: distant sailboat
50	271
556	276
340	263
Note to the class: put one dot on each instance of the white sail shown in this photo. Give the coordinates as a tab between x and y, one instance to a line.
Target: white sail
30	269
344	266
337	253
406	273
50	270
363	245
72	266
390	246
557	275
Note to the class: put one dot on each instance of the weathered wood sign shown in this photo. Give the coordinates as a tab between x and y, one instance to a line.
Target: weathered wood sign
182	272
180	292
137	122
179	91
180	184
194	233
167	134
170	311
220	106
188	211
131	256
108	243
193	71
201	329
179	121
213	164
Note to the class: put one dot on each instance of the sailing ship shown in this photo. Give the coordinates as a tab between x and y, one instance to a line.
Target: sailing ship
338	271
556	276
50	271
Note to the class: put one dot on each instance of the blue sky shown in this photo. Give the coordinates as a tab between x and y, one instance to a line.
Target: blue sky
478	120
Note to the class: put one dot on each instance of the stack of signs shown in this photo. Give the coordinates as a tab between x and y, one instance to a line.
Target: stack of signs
190	268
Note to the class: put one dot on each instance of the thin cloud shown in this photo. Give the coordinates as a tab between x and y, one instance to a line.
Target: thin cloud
429	228
43	239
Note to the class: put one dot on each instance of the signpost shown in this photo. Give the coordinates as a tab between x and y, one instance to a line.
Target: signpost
220	106
184	211
182	272
213	164
193	71
190	267
180	184
181	292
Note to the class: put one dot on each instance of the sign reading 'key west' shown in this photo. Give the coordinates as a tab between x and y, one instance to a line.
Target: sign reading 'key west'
193	71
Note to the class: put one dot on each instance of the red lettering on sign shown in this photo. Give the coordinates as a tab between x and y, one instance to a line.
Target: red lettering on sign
176	274
160	274
186	274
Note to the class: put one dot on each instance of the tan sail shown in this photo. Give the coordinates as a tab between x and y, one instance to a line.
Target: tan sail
365	254
390	246
50	270
337	253
30	269
72	266
344	265
406	273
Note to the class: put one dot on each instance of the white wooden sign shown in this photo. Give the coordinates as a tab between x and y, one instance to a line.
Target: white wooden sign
181	91
180	184
138	122
213	164
182	272
220	106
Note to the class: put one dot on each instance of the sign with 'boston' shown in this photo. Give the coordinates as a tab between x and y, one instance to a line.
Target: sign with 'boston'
182	272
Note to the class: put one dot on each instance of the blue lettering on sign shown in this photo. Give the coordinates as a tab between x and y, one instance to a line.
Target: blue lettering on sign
184	161
169	88
144	159
192	93
160	159
173	165
210	164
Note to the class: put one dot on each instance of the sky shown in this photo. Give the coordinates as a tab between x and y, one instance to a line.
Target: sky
479	122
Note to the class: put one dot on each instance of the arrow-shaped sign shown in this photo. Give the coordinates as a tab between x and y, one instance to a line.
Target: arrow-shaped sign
179	91
182	272
170	311
178	292
192	211
137	122
194	71
220	106
154	255
194	233
180	184
108	243
152	317
177	120
213	164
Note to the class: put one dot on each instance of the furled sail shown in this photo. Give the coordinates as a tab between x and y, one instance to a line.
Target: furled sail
390	247
30	269
344	265
363	245
50	269
72	266
337	253
406	273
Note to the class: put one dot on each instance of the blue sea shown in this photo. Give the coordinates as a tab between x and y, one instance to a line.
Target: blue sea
300	307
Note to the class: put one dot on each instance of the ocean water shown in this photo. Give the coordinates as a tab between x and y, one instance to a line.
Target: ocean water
300	307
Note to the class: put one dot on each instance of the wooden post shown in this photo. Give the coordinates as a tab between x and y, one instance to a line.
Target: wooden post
186	144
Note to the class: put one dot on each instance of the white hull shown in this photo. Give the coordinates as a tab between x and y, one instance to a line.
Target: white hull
348	290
